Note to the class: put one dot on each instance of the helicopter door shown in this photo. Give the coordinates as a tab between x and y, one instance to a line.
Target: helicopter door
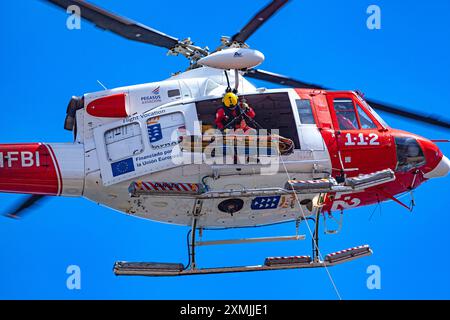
142	144
364	145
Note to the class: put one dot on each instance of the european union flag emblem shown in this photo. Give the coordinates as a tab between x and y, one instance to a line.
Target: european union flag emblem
261	203
154	132
121	167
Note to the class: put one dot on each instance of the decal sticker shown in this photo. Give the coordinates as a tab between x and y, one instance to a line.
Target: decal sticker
138	187
361	139
24	159
347	202
154	130
156	90
121	167
262	203
154	97
143	116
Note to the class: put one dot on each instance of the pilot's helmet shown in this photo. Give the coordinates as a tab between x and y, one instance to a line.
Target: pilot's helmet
230	100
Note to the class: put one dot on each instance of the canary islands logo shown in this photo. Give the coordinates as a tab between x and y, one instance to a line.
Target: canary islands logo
154	97
154	130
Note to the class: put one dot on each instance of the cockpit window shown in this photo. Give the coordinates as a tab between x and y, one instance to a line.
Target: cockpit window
364	119
409	154
374	113
345	114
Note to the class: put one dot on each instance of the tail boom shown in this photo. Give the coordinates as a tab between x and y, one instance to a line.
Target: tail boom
43	169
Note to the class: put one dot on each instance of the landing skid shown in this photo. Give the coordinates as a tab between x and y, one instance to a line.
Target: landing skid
271	263
161	269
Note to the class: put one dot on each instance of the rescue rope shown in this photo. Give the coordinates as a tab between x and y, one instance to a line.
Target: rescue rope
316	247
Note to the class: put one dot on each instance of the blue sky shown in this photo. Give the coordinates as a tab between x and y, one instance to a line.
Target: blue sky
43	64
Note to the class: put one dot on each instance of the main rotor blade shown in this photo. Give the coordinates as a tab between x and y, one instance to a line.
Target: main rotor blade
388	108
27	203
258	20
405	113
122	26
280	79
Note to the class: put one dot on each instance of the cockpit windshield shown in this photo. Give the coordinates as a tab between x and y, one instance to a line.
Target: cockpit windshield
409	154
373	112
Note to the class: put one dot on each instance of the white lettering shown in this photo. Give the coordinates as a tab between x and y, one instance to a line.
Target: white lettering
349	141
10	158
346	203
372	138
27	159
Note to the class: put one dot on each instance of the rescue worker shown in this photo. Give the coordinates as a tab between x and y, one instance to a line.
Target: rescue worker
232	110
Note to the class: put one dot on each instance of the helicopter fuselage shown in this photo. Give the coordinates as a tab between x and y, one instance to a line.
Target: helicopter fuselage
127	155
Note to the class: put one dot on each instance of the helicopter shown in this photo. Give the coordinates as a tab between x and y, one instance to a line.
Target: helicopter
153	150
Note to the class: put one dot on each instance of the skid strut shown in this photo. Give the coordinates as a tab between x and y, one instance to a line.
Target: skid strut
192	246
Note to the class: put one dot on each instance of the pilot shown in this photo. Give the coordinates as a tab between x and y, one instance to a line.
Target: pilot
232	114
345	123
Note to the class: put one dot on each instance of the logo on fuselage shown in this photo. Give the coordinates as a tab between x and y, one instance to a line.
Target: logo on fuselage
154	97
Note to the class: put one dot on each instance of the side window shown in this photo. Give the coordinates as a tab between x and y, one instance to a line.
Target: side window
123	141
305	111
345	114
364	119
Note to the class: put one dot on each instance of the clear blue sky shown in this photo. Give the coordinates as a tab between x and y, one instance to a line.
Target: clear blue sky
42	64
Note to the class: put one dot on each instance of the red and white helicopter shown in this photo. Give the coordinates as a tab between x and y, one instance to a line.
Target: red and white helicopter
141	150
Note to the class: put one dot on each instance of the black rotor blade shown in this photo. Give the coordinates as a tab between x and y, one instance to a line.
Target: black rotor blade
258	20
280	79
27	203
126	28
405	113
388	108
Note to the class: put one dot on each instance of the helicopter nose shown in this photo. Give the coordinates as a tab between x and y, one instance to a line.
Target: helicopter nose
441	170
437	164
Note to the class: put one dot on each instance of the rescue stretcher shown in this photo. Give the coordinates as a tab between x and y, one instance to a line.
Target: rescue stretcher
252	144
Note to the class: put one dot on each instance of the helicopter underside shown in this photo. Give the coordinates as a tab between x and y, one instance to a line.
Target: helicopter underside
167	196
233	195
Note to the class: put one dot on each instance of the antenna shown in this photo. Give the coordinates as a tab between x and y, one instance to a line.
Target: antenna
103	86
